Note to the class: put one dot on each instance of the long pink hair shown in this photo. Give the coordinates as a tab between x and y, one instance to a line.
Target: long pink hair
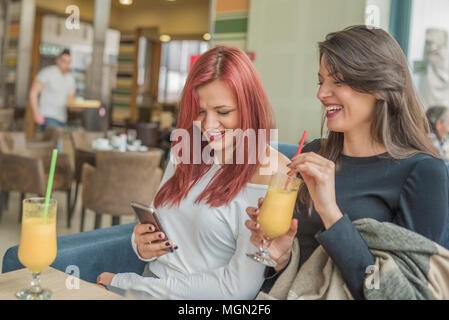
232	66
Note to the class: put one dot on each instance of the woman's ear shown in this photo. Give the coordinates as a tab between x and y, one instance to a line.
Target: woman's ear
438	124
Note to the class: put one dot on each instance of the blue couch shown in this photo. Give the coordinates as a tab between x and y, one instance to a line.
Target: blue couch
102	250
110	250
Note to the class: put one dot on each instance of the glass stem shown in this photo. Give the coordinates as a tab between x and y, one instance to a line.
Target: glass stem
36	283
264	251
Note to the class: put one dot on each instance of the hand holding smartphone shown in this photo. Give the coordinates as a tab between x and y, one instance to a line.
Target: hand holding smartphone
148	215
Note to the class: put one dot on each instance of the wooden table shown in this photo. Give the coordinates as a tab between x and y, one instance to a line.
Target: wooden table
85	104
55	281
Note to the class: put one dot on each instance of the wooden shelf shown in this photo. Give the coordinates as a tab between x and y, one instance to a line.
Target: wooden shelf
11	52
124	106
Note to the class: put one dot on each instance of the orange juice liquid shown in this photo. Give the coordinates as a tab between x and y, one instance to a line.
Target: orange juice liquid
37	248
276	212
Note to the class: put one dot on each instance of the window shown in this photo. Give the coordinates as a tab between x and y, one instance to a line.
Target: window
175	63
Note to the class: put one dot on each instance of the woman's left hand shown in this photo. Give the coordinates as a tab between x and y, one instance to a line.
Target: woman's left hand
105	278
319	175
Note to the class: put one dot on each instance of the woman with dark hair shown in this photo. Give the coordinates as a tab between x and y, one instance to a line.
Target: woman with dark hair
202	199
438	117
376	161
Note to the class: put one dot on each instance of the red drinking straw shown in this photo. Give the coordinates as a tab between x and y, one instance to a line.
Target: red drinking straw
301	144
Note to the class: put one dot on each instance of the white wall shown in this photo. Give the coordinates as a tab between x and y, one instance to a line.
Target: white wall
284	36
55	32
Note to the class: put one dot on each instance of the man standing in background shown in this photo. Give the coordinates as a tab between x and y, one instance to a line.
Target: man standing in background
56	87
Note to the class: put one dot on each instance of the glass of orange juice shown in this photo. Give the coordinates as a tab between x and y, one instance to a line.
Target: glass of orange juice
276	212
37	247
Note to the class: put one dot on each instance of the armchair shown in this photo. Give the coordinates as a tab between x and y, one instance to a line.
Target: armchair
118	179
47	140
82	144
148	133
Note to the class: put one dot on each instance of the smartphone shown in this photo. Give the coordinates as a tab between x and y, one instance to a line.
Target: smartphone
147	215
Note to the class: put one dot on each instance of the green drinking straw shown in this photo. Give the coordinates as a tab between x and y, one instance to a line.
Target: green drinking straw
50	182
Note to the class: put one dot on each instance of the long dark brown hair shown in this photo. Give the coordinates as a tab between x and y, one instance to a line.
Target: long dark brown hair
369	60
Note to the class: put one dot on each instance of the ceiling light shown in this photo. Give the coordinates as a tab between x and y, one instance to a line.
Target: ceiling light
165	38
207	36
126	2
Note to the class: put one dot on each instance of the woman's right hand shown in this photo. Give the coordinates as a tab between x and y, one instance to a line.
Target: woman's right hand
279	248
149	244
40	120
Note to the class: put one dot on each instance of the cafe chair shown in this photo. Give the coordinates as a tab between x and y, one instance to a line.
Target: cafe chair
102	250
82	148
25	168
83	139
117	179
47	140
148	133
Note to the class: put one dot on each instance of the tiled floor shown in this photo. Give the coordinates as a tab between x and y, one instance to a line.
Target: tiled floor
10	227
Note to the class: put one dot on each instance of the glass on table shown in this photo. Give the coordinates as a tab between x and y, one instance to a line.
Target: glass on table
110	134
38	246
132	136
276	213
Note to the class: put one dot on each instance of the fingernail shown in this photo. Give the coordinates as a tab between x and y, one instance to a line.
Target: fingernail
160	236
151	228
167	244
176	248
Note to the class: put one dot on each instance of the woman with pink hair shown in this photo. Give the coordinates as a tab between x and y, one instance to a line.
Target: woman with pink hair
206	188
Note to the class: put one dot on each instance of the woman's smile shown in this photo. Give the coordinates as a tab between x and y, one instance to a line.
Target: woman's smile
218	114
346	109
332	110
214	136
